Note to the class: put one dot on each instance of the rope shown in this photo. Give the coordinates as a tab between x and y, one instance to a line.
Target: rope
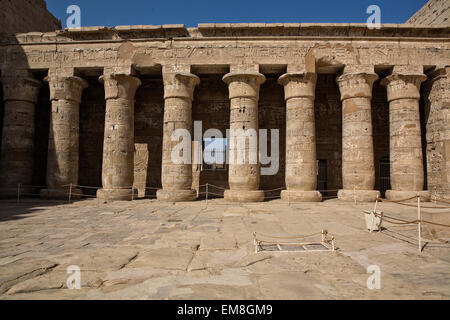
397	201
214	194
277	189
422	206
278	242
402	221
285	238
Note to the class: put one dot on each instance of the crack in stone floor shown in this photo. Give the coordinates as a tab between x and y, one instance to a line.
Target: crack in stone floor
153	250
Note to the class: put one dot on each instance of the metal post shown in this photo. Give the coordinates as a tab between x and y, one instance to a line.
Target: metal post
419	216
374	215
70	193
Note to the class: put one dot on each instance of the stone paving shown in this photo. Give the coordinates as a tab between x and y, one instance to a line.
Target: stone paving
152	250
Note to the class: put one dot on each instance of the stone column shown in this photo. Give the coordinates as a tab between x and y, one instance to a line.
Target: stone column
244	168
63	144
358	170
437	105
407	172
20	95
118	143
301	161
176	177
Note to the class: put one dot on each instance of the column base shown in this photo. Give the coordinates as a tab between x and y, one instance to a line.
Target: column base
244	195
359	195
301	196
107	195
395	195
61	194
176	195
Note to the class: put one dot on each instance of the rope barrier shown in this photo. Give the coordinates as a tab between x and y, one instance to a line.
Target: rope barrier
402	221
286	238
397	201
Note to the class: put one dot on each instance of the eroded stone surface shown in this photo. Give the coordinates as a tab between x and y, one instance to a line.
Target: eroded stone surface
173	251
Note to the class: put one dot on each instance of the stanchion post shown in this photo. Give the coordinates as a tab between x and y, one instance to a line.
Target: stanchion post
70	193
419	217
376	204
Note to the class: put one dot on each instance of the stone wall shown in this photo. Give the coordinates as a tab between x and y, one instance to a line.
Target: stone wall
272	115
434	13
42	123
211	106
328	112
148	130
17	16
179	55
380	120
436	100
92	124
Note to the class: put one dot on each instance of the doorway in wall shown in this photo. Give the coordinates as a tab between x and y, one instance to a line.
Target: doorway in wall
385	175
322	176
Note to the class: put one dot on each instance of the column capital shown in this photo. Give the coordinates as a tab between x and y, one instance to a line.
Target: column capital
66	88
403	86
298	84
118	85
21	89
244	84
356	85
180	85
439	73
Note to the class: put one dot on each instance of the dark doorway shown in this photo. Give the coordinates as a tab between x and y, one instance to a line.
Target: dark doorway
322	176
385	175
1	113
92	125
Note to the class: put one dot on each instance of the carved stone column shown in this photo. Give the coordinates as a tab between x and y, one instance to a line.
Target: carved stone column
301	161
63	144
437	105
244	168
358	170
407	172
118	143
176	178
17	155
